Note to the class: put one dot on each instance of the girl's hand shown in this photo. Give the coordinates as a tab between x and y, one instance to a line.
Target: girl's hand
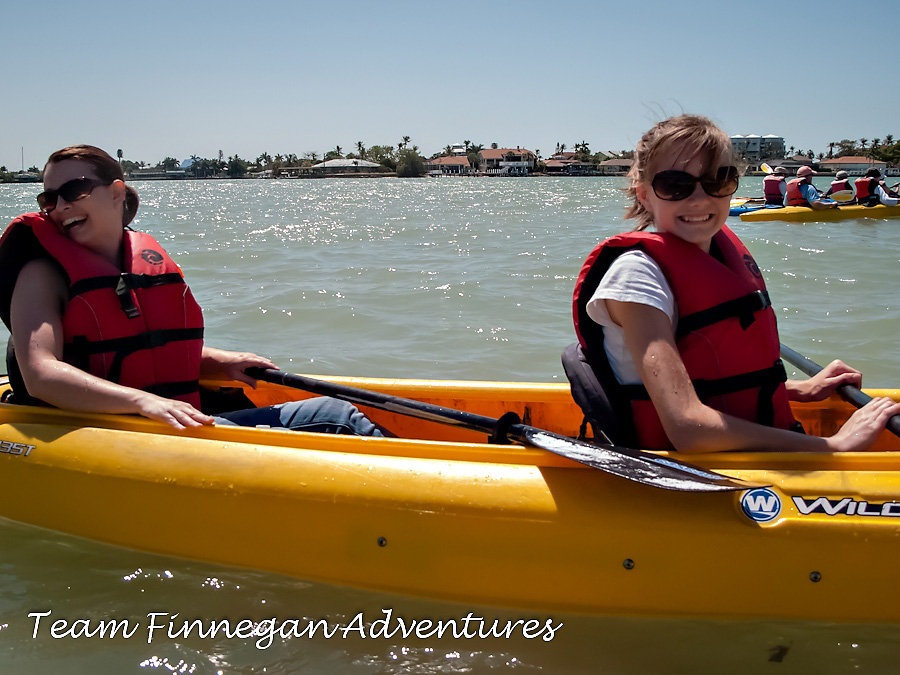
865	425
178	414
233	364
824	383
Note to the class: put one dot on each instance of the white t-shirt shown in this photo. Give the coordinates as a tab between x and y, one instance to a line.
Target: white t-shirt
633	277
885	198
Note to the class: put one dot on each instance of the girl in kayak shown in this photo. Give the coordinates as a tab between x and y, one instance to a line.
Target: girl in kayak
676	322
102	320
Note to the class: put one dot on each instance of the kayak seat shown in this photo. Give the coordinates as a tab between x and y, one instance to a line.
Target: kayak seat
17	392
591	397
223	400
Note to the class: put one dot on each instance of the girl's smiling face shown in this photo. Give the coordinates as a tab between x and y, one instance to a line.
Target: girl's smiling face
95	221
697	218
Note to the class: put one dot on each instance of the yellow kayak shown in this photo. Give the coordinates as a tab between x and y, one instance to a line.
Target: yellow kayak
441	513
802	214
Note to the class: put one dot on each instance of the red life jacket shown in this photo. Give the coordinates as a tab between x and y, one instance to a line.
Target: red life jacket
141	328
865	191
726	334
840	185
772	189
794	195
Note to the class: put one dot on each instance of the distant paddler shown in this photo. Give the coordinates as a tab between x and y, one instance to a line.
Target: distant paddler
775	186
802	192
841	189
871	190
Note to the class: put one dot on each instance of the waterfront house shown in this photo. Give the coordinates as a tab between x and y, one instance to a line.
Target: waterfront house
568	166
346	167
614	167
507	161
448	166
854	165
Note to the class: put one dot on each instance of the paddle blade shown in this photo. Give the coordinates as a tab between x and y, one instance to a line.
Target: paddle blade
842	195
765	168
641	467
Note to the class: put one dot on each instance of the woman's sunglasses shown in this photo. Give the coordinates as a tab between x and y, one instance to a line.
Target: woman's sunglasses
70	191
673	186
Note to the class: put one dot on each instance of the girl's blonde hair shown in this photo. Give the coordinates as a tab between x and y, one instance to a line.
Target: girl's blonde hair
696	134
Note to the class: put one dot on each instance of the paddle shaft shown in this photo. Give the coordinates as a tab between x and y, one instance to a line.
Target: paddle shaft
848	392
637	465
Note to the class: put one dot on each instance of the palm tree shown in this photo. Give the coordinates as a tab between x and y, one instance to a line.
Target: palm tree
889	139
360	149
405	141
263	159
831	149
467	144
339	151
863	142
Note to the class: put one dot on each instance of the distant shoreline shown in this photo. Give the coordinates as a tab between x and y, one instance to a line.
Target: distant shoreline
136	179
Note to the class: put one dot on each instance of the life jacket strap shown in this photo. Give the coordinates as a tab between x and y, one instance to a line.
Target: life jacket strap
78	351
124	284
766	379
744	308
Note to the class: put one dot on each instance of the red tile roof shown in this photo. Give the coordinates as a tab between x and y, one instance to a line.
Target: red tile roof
449	161
850	160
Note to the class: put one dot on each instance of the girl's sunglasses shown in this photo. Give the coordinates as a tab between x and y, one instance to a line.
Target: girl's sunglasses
673	186
70	191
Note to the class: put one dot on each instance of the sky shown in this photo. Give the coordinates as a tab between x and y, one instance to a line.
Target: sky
192	77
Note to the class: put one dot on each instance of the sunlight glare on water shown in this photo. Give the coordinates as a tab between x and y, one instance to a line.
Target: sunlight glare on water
445	279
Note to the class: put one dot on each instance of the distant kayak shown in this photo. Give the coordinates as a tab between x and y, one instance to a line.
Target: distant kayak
802	214
741	205
744	208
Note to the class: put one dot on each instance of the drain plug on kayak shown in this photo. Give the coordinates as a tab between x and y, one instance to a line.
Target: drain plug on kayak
815	577
382	541
628	564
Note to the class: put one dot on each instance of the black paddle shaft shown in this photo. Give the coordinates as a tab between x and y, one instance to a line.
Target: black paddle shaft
637	465
850	393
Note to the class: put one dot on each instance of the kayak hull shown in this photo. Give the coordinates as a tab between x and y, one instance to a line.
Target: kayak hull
451	517
802	214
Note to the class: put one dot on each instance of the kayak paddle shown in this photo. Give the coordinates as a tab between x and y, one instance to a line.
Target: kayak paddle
849	393
638	465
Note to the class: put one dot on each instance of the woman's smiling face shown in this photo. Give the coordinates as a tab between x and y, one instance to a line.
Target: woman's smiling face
95	221
697	218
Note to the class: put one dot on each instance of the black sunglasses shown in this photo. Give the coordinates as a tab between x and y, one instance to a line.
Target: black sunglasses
70	191
673	186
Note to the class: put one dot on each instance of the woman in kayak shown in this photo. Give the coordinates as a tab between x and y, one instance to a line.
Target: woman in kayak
102	320
677	325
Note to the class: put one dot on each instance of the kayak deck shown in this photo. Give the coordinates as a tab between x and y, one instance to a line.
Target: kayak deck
802	214
441	513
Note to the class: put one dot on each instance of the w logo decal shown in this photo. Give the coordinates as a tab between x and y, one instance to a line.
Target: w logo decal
761	505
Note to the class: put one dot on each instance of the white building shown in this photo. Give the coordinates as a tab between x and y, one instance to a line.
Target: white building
753	148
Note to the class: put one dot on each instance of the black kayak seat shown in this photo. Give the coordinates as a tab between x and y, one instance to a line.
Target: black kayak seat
591	397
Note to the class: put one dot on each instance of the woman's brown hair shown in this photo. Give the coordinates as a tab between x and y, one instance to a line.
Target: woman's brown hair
106	168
